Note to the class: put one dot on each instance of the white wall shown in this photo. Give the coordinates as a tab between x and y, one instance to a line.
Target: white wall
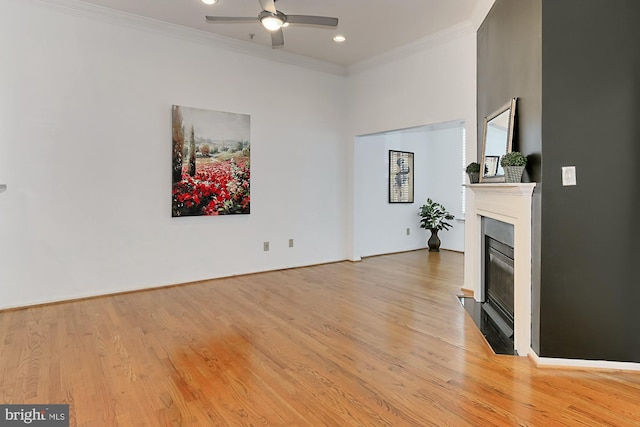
85	150
432	81
381	227
445	180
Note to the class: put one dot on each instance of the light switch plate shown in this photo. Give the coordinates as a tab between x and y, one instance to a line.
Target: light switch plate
569	175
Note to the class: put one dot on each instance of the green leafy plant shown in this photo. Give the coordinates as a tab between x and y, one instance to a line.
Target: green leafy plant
434	216
514	158
473	167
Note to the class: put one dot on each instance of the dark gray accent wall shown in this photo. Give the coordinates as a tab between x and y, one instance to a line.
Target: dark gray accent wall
579	106
590	232
509	65
509	51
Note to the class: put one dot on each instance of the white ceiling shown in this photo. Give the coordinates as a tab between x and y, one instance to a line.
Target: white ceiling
372	27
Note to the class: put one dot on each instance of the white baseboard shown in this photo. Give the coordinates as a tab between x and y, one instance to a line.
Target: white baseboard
552	362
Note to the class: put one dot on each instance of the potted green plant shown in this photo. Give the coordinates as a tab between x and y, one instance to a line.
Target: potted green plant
473	171
513	164
434	217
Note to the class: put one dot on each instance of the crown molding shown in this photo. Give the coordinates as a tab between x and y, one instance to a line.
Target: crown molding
448	34
116	17
480	12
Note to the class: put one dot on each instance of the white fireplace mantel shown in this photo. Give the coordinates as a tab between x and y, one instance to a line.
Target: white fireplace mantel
510	203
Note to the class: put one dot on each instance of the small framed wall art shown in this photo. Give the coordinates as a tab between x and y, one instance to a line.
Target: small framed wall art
400	177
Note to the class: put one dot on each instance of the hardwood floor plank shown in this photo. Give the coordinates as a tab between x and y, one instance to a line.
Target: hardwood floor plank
382	342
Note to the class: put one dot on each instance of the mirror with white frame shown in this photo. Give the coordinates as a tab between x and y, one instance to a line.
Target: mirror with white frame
497	141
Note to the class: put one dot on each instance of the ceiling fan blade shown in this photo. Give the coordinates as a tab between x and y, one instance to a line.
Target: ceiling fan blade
323	21
277	38
268	5
231	19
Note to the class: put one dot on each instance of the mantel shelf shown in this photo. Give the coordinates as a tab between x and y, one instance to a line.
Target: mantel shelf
523	188
3	187
501	184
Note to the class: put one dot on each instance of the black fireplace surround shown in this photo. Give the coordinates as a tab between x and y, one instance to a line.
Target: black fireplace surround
499	278
497	268
494	315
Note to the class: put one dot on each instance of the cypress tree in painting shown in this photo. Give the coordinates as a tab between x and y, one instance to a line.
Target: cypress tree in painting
178	144
191	166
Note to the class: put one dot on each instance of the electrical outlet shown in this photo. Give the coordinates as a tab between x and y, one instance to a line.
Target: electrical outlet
266	246
569	175
290	243
408	231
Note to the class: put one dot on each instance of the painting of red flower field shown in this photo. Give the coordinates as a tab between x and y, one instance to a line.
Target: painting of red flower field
211	162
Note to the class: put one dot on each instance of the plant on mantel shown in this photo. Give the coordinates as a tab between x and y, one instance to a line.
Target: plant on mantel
473	171
473	167
514	158
513	164
434	217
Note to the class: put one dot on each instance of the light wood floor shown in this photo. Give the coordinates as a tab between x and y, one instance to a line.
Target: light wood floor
383	342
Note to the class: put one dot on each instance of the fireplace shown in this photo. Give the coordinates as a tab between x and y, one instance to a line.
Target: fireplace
510	204
498	279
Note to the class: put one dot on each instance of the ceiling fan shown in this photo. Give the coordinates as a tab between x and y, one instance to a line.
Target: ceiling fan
274	20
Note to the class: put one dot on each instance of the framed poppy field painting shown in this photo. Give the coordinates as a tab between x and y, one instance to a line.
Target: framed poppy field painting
210	163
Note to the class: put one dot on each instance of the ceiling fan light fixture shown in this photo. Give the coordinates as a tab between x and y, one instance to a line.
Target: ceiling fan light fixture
339	38
272	22
209	1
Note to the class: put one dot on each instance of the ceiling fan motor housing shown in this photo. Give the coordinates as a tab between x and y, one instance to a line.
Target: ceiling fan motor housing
278	16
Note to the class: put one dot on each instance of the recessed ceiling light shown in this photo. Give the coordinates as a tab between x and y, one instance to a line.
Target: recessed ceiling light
209	1
339	38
